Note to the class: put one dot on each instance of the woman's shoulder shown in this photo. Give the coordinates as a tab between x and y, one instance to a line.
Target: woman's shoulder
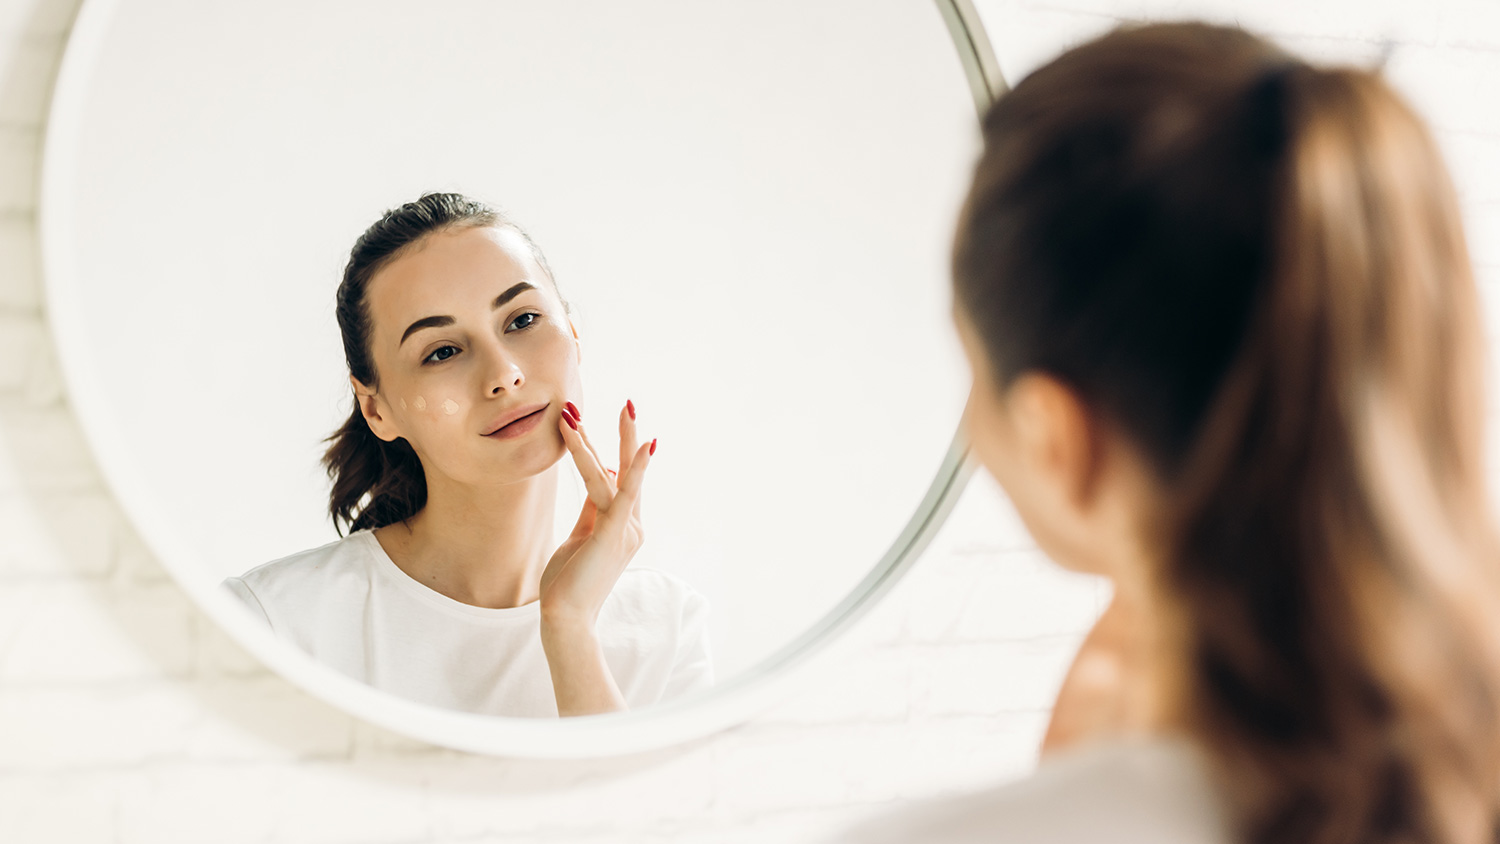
653	593
336	560
1153	790
655	584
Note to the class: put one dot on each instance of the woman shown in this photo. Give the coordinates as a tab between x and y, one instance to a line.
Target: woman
1226	350
464	365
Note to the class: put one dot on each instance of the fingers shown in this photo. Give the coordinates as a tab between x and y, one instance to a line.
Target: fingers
650	452
583	432
634	479
628	437
600	489
604	485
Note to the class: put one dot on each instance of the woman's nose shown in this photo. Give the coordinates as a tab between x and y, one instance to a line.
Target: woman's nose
505	373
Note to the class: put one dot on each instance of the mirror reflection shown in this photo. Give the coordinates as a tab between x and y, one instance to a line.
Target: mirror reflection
448	589
733	219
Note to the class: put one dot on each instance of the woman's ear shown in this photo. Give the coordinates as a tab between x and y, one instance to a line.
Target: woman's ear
375	411
1059	436
577	341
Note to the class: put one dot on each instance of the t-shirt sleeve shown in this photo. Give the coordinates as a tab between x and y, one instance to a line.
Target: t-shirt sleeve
693	669
241	590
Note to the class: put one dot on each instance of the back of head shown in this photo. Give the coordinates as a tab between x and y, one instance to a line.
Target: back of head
1254	268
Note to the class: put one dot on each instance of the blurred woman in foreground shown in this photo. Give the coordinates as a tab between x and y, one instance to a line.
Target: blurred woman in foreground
1227	351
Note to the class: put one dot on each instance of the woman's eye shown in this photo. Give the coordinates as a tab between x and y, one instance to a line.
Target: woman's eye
440	354
525	321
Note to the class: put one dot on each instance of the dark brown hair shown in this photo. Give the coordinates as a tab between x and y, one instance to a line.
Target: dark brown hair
1255	269
377	483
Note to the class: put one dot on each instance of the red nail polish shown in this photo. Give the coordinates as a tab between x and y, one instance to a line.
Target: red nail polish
569	419
653	447
630	406
574	408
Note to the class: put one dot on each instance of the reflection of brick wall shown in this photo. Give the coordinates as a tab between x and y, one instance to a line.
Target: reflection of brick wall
125	715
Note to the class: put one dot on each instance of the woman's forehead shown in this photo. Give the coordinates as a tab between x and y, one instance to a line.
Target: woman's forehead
449	271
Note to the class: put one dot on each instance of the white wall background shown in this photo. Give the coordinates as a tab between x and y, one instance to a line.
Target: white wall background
126	717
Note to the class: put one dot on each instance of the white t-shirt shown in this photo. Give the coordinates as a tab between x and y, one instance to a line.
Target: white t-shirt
349	606
1132	791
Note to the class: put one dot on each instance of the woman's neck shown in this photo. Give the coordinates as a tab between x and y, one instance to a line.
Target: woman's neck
483	546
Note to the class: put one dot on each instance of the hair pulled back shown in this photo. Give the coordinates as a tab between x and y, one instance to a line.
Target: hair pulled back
1255	269
377	483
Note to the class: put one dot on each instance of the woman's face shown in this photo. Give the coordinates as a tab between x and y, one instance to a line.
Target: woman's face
475	356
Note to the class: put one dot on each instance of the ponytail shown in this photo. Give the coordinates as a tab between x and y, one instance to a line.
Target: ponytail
375	483
1255	268
1334	553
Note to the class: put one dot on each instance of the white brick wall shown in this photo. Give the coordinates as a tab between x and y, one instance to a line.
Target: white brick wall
126	716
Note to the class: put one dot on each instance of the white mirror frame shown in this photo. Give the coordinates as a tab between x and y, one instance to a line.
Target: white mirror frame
614	734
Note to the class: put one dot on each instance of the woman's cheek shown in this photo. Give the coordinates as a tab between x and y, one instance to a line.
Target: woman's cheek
437	408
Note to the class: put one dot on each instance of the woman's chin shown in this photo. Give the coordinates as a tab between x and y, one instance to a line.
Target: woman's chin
491	466
530	459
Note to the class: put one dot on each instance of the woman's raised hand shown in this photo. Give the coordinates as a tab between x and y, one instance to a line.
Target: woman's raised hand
585	567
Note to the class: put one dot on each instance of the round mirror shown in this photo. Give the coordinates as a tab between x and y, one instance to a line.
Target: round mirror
744	209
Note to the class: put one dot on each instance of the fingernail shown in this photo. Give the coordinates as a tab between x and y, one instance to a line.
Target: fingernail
653	447
568	418
630	406
574	408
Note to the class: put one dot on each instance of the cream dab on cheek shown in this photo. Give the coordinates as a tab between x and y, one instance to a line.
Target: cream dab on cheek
420	403
450	407
403	404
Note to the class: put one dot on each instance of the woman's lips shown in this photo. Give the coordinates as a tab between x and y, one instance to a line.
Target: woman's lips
520	427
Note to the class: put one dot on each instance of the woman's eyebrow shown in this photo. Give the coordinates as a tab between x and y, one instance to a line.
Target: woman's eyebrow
440	321
425	322
516	290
